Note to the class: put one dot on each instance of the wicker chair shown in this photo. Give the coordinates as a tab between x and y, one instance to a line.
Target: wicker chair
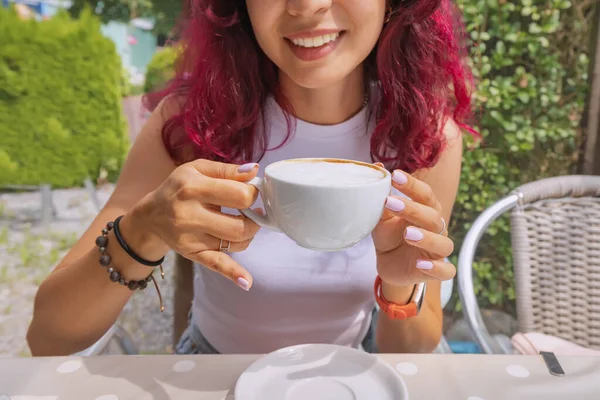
555	226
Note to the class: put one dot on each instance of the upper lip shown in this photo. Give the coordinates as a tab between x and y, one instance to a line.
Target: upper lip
312	33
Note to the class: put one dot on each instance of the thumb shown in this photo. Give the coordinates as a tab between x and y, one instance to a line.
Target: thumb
219	170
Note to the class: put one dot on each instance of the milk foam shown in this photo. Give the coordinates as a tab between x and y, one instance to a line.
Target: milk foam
324	173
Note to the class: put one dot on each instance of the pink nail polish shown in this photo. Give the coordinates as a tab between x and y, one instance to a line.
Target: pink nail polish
422	264
394	204
246	167
413	234
242	283
399	178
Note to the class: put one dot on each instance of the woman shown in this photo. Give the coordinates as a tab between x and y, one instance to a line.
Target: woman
265	80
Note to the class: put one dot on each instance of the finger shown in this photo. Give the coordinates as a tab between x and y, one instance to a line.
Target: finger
438	246
214	243
235	228
223	264
438	269
416	213
224	193
414	188
219	170
386	215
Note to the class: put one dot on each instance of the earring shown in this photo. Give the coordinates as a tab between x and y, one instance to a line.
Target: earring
388	14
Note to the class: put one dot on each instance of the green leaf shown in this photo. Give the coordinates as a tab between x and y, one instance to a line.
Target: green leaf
524	97
500	48
534	28
526	11
497	116
485	69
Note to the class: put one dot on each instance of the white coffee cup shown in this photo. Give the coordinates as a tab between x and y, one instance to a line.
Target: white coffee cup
322	204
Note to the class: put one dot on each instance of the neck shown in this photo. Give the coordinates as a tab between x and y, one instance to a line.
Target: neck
329	105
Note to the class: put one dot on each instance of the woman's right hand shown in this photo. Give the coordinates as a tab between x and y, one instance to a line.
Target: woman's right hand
184	214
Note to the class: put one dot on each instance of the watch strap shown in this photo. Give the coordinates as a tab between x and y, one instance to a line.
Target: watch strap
393	310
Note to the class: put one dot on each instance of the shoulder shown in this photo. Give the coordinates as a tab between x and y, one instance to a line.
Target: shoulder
168	107
453	144
451	154
451	130
450	159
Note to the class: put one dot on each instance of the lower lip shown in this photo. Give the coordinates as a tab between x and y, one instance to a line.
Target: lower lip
314	53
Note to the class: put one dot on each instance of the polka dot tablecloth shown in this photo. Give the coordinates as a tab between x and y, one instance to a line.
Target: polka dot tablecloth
213	377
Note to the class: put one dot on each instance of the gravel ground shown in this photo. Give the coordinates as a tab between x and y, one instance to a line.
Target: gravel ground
29	251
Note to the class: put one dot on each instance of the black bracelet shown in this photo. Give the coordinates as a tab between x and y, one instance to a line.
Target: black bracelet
131	252
115	276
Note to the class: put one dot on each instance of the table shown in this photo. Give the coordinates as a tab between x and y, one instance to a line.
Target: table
213	377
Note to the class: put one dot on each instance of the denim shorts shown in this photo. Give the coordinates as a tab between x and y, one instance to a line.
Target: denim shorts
192	341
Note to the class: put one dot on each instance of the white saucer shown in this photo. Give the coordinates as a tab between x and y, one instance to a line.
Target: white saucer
320	372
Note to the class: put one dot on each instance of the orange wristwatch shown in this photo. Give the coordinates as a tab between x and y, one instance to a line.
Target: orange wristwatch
401	311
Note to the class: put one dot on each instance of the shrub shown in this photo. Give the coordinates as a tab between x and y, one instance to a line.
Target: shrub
60	110
161	69
531	61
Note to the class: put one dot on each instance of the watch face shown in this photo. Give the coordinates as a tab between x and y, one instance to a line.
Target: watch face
419	295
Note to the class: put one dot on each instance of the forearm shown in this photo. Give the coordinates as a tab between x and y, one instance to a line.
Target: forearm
78	302
419	334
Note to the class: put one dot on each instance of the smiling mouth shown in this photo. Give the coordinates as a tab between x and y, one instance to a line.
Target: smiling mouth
316	41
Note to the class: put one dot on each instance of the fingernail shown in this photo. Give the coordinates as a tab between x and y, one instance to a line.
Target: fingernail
242	283
413	234
399	178
422	264
247	167
394	204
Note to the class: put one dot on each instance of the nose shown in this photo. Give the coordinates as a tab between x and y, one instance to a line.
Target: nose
307	8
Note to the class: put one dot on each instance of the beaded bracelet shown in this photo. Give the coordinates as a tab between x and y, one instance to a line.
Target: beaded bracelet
115	276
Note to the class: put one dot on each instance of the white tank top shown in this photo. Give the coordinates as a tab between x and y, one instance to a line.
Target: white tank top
298	295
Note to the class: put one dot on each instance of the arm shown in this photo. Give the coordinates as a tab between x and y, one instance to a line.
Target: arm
423	332
164	208
77	302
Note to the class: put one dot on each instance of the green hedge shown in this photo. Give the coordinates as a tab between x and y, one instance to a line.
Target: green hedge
161	69
531	64
60	112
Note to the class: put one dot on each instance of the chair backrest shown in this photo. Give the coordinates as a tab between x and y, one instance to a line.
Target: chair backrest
555	231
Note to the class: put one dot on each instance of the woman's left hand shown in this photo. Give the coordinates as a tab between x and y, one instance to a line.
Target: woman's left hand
411	239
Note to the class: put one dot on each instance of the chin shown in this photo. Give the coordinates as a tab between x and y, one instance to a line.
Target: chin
317	78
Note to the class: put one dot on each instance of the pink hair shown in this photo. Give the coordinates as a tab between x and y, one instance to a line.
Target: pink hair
224	78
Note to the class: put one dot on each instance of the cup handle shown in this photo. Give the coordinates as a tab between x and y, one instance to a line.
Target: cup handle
265	221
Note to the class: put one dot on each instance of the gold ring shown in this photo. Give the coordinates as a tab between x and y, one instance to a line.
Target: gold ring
225	249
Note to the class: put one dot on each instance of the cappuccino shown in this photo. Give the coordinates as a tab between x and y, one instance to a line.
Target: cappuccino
325	173
323	204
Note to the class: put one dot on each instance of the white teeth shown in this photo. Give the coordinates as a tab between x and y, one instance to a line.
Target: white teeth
317	41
